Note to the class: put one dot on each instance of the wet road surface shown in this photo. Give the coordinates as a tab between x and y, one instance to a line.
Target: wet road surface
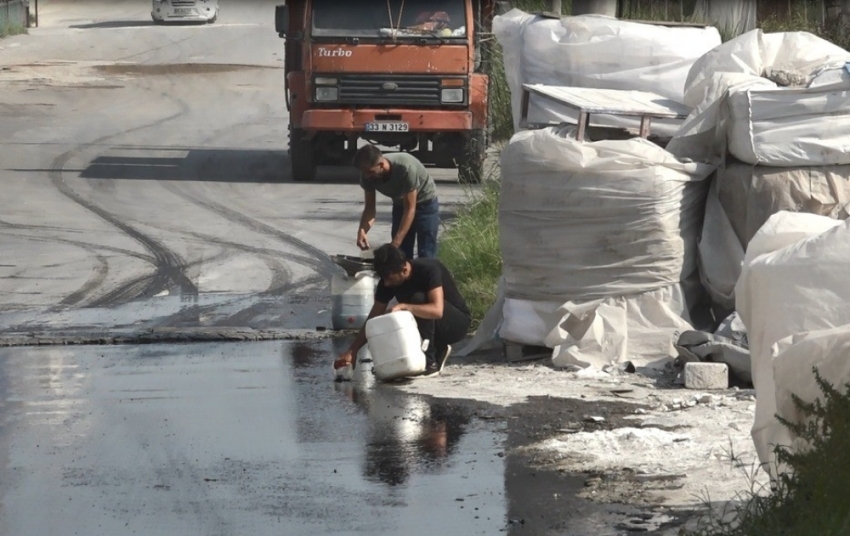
234	439
256	438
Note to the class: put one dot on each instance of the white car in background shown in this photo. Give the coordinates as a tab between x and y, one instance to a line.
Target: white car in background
184	10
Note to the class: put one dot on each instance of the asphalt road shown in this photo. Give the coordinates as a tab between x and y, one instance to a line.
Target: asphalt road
146	179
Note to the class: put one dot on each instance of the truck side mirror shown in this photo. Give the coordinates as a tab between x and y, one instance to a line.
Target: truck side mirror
281	20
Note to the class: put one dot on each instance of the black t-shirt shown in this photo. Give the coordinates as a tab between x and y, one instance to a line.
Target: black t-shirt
425	275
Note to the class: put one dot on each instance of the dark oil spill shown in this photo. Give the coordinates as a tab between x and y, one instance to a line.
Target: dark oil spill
256	438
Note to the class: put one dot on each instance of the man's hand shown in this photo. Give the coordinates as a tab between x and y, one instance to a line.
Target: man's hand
396	242
399	307
362	241
345	358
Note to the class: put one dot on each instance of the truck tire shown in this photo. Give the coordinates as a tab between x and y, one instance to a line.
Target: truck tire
302	155
470	169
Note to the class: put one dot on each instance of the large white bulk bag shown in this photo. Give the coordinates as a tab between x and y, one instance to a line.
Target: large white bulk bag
790	127
789	289
598	52
596	238
757	53
794	357
752	194
737	105
581	221
741	200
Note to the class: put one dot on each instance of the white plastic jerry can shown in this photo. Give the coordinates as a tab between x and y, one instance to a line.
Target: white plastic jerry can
395	345
352	299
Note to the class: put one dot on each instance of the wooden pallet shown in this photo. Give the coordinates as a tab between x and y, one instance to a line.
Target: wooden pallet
515	352
588	101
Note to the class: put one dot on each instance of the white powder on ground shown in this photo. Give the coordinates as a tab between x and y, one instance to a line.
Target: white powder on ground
703	436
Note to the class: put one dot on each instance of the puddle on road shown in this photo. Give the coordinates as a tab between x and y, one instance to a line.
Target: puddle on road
234	439
256	438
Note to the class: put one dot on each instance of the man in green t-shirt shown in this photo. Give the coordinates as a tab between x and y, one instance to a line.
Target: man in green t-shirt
404	179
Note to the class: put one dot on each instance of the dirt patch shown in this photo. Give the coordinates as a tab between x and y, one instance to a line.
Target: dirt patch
546	495
96	75
639	442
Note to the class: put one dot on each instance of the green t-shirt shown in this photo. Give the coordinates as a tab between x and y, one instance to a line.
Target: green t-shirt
406	174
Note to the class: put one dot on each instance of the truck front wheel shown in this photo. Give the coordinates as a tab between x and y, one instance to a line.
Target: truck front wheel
470	164
302	156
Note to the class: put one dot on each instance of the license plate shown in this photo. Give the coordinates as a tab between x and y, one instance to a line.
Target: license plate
183	11
388	126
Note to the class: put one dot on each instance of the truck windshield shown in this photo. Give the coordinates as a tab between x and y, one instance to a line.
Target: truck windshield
390	18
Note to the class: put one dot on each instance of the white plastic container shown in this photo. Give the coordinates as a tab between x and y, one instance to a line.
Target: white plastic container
395	345
352	299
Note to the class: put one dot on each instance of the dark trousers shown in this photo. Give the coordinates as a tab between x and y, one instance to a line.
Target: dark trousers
426	223
450	329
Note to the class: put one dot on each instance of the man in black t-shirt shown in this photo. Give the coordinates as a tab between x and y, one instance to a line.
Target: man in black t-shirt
426	288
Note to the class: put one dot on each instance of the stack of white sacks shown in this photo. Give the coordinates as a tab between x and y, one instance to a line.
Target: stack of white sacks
596	236
598	52
784	147
774	245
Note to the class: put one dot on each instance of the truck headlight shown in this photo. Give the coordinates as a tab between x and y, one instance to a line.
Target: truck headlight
451	95
327	94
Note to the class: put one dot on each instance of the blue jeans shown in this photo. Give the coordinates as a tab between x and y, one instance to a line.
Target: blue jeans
426	223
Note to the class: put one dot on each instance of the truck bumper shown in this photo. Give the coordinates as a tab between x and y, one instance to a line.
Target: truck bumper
356	120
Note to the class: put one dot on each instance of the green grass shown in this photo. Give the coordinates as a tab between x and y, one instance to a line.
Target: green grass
811	499
11	29
469	247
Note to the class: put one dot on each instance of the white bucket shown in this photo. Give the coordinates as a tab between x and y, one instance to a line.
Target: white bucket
352	299
395	345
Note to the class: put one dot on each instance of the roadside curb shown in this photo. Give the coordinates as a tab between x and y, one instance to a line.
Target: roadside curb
160	336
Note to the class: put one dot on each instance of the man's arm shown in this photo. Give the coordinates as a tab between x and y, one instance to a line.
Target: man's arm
433	310
406	218
367	219
350	355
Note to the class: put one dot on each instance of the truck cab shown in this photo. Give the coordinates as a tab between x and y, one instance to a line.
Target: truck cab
405	74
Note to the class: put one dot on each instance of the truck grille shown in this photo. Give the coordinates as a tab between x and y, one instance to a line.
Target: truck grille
183	3
381	90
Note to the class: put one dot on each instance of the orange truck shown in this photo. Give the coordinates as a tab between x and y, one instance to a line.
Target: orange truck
404	74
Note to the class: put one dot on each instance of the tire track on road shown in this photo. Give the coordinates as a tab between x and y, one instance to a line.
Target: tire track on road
169	268
101	270
316	258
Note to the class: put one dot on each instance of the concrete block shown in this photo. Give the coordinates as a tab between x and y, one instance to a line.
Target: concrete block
706	375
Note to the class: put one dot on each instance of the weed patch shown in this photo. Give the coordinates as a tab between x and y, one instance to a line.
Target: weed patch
810	498
11	29
469	247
